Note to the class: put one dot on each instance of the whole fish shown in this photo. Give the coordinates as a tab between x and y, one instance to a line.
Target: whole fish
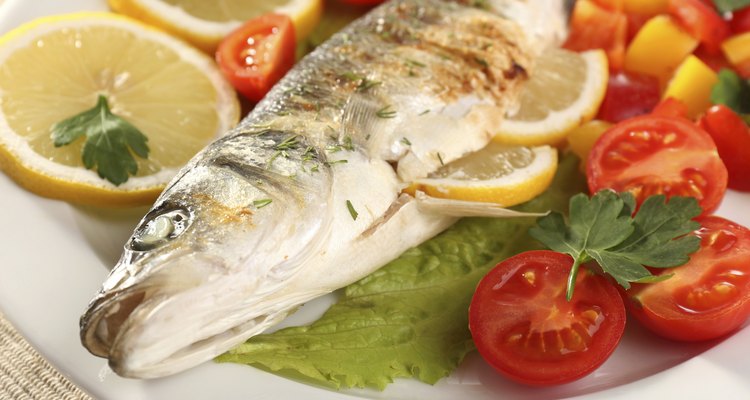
305	195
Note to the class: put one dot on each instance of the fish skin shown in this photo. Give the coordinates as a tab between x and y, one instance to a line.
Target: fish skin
304	196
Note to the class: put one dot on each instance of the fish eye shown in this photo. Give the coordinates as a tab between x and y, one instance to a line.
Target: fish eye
160	229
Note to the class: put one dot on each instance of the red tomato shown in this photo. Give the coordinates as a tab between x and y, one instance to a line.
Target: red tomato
629	95
732	138
595	27
706	298
671	107
525	329
702	21
256	55
715	61
658	155
740	22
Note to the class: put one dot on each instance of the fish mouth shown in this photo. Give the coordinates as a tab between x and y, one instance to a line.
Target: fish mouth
137	329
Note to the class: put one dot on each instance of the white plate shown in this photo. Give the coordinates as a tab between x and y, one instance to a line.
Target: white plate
54	256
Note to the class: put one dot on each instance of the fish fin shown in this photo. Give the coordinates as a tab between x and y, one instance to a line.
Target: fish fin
461	208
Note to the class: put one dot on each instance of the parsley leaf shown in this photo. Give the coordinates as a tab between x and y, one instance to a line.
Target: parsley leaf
602	228
731	5
732	91
109	141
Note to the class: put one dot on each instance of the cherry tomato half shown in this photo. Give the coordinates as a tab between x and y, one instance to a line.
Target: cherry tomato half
650	155
256	55
706	298
702	21
525	329
732	138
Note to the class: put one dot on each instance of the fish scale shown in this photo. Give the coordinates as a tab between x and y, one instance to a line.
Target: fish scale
304	195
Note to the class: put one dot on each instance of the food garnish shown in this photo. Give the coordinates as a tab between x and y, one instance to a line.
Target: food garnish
607	229
733	92
109	141
205	23
257	54
565	90
121	78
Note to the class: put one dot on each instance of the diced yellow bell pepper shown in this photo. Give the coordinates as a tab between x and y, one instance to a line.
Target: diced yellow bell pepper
658	48
582	138
646	7
737	48
692	83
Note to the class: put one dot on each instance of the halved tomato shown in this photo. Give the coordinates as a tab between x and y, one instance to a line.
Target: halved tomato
706	298
525	328
256	55
650	155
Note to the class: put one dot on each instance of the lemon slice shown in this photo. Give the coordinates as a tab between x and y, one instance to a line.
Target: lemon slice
497	174
204	23
56	67
564	91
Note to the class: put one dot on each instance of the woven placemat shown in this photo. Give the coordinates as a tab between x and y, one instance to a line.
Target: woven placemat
24	374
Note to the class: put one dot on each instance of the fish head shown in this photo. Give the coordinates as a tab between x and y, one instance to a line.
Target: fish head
183	289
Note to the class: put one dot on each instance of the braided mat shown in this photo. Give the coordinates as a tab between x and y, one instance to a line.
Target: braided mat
24	374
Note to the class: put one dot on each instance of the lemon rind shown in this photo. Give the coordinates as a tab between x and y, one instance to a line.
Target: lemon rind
77	184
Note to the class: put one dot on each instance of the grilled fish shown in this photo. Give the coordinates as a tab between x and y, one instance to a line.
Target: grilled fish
304	195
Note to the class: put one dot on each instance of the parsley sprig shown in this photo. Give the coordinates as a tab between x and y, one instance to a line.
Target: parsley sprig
731	5
110	141
734	92
603	229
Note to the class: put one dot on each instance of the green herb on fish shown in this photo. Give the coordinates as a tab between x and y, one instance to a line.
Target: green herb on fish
405	141
409	318
109	141
351	209
386	112
261	203
440	158
414	63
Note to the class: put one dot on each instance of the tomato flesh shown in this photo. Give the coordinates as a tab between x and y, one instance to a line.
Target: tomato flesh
256	55
732	138
629	95
595	27
706	298
702	21
524	327
740	22
651	155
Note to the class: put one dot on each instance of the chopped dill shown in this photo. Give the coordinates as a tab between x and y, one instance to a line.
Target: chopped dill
288	143
424	112
405	141
386	112
367	84
414	63
347	143
481	62
351	209
336	162
262	203
440	158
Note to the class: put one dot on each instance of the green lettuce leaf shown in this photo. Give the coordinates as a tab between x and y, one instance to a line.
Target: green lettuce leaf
410	318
